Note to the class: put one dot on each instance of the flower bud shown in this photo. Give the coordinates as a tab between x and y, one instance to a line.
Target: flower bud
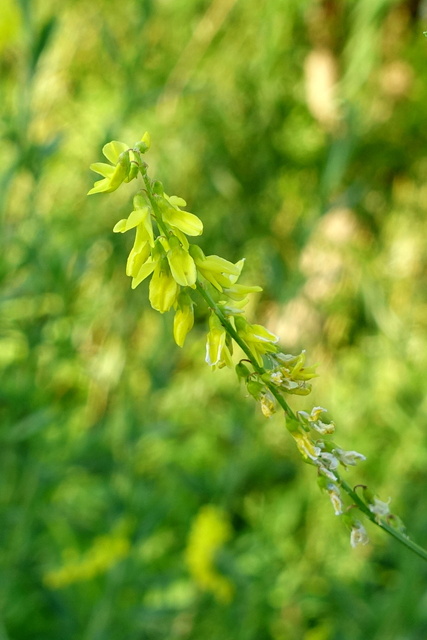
163	290
215	343
181	264
335	498
157	188
184	318
268	403
144	144
242	371
255	388
120	172
358	534
139	201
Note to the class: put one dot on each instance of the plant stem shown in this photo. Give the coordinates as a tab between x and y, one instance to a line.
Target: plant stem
358	502
155	208
203	291
401	537
242	344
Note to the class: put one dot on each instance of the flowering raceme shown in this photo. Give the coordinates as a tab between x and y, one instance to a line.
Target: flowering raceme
178	270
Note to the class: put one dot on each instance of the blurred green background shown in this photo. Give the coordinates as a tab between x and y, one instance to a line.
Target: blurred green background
297	131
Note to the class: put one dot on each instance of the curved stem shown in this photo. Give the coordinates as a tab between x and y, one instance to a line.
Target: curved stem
401	537
203	291
358	502
155	208
242	344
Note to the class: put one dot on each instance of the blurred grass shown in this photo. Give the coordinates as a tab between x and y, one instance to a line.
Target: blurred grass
297	132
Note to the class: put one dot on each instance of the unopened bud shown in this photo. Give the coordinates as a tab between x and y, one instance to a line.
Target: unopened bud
144	144
242	371
255	388
157	188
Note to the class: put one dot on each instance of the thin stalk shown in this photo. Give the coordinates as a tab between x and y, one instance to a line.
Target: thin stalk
242	344
155	208
401	537
203	291
358	502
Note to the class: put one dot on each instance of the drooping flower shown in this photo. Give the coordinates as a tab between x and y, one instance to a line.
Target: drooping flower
305	445
217	349
257	337
163	290
136	260
183	319
238	292
140	217
313	420
231	307
348	458
323	470
379	508
335	497
176	217
214	269
268	403
181	264
329	460
358	534
142	259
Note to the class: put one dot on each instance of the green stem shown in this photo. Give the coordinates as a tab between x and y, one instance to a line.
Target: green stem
155	208
242	344
422	553
358	502
203	291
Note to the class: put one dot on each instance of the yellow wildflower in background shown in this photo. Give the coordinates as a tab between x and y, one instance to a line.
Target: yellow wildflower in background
209	531
105	552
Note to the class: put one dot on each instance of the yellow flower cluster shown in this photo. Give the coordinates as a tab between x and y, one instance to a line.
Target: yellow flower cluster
105	552
209	531
162	250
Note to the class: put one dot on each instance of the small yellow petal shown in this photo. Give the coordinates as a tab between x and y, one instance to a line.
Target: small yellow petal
120	226
187	222
113	149
102	168
100	186
146	269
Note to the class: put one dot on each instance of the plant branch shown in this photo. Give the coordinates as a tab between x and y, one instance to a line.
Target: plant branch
358	502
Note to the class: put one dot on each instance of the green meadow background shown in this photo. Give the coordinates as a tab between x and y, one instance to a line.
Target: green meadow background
143	496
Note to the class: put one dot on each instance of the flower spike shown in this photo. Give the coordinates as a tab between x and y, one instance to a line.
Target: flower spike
178	269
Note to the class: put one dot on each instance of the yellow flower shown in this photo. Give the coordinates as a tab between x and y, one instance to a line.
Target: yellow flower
164	289
116	172
134	263
217	350
218	271
209	531
186	222
139	218
124	164
181	264
257	337
105	552
184	318
268	403
142	259
306	445
238	292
